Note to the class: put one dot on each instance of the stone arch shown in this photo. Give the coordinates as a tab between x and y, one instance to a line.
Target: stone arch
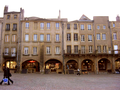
72	64
117	64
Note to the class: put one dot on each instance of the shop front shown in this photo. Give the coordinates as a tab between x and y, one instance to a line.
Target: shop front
30	66
104	65
117	65
53	66
71	66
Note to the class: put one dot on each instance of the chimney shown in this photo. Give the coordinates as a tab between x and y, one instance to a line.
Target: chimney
22	13
117	18
59	14
5	9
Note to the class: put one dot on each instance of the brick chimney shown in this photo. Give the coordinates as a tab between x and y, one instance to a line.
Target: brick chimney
5	9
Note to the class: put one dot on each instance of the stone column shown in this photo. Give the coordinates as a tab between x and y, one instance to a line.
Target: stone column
113	65
96	66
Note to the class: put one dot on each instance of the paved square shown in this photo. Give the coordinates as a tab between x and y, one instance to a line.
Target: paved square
36	81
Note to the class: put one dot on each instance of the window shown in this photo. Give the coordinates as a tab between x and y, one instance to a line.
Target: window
83	49
35	25
104	27
116	49
98	27
82	27
109	49
26	37
104	49
6	51
99	49
103	36
89	27
82	37
7	38
89	37
15	16
57	25
98	36
57	37
48	25
113	24
114	36
76	49
68	26
26	50
48	37
13	51
90	49
27	25
75	26
48	50
7	27
57	50
13	38
8	16
68	37
68	49
75	37
35	37
14	26
41	25
34	50
41	37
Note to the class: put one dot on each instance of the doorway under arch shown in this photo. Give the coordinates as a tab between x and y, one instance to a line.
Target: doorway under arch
117	65
104	65
31	66
72	64
87	65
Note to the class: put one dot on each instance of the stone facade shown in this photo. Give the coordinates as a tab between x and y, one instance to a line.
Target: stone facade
56	45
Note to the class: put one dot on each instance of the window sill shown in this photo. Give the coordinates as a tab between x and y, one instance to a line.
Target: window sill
34	41
34	54
57	54
26	54
48	41
57	41
48	54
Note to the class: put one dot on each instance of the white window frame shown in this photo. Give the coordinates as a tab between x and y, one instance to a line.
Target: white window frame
13	38
48	37
104	49
26	50
7	38
57	25
26	37
57	50
35	37
41	37
13	51
104	27
48	50
82	49
27	25
6	51
34	50
90	49
99	49
82	26
48	25
98	36
76	49
89	27
41	25
75	37
68	37
113	24
103	36
98	27
114	36
89	38
57	37
82	38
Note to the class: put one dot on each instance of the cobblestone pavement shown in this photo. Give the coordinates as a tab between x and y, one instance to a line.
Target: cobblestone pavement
36	81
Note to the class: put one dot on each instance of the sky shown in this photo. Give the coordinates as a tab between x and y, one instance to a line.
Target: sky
70	9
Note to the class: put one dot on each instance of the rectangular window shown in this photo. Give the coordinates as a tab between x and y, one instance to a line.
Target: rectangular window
99	49
15	16
114	36
57	37
26	37
90	49
14	38
103	36
104	49
82	27
7	27
109	49
68	26
57	25
75	26
41	25
75	37
68	49
48	37
41	37
98	36
8	16
82	37
68	37
115	49
76	49
7	38
83	49
14	27
34	50
35	37
13	51
57	50
6	51
89	37
35	25
26	50
98	27
27	25
104	27
89	27
48	50
48	25
113	24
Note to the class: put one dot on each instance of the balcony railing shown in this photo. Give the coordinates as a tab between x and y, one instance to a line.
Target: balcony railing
5	54
91	52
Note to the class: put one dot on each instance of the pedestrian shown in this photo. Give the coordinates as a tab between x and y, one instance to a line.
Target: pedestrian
78	71
7	74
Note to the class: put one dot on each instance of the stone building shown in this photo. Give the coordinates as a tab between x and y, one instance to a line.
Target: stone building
59	46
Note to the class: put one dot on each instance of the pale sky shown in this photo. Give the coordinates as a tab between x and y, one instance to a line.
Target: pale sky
70	9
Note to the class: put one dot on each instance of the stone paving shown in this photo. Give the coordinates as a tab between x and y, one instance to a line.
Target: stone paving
36	81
